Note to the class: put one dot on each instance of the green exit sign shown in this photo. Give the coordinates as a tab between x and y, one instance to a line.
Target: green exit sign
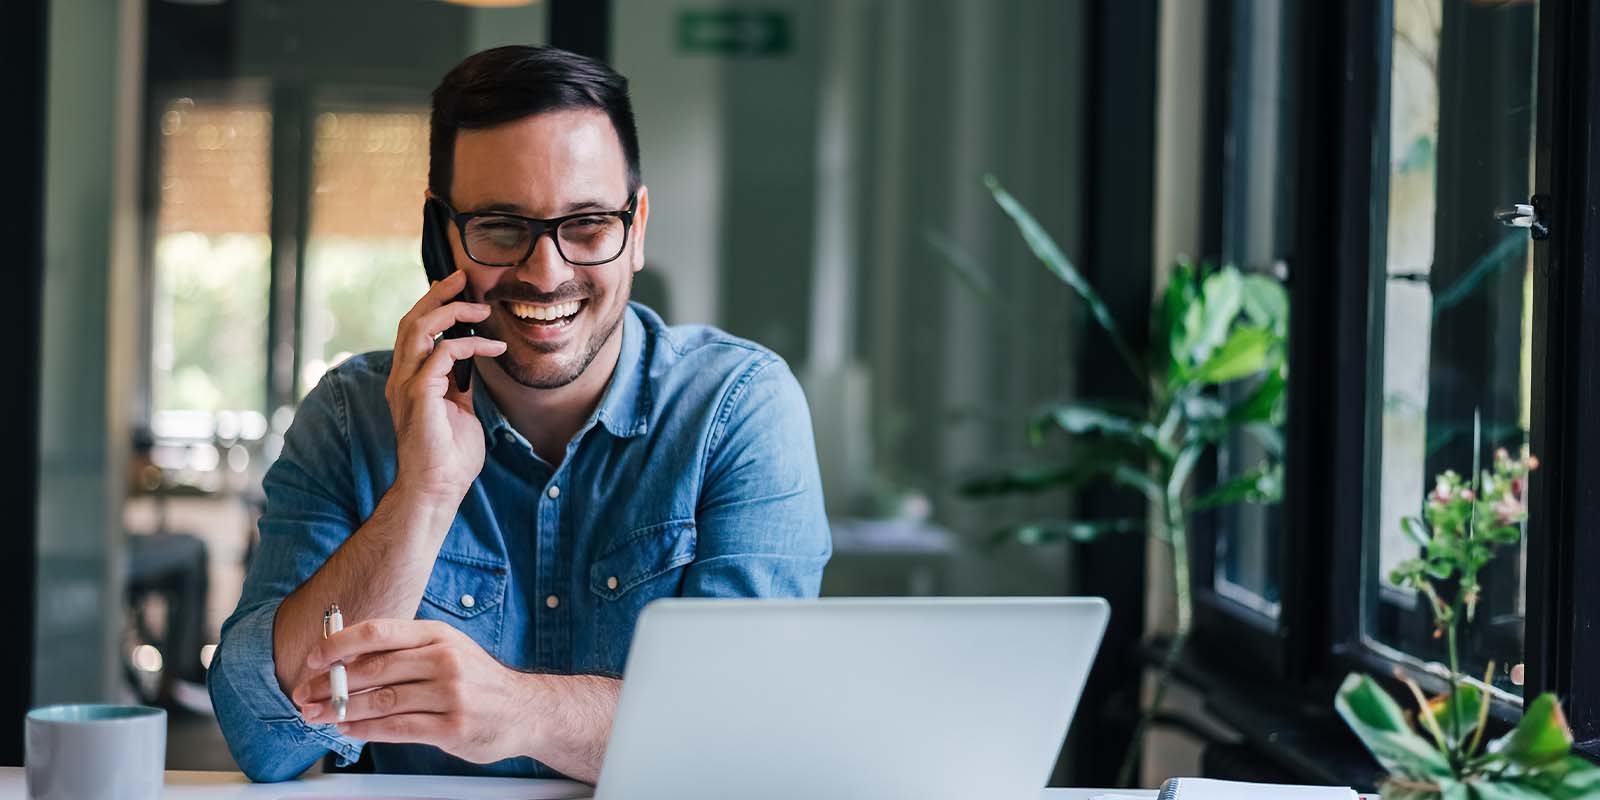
734	32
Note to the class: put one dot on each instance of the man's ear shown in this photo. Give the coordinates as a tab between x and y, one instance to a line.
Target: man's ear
640	218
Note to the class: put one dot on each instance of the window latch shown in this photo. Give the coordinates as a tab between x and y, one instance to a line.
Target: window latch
1528	215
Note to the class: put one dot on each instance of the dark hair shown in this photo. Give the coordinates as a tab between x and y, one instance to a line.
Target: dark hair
508	83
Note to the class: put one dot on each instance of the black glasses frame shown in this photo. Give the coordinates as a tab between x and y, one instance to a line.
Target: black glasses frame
540	227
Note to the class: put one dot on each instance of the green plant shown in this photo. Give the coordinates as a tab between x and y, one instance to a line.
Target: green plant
1210	328
1462	526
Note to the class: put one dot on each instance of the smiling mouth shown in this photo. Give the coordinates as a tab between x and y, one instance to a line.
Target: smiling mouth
550	315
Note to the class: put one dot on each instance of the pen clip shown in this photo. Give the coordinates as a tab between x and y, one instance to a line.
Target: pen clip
327	622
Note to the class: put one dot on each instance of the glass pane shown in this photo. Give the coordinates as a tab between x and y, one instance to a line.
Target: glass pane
363	268
211	260
1456	346
1257	233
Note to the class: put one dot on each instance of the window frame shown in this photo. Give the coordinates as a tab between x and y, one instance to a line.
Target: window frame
1263	640
158	96
1338	302
1564	600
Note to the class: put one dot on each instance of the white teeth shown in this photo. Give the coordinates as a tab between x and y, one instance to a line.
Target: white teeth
545	313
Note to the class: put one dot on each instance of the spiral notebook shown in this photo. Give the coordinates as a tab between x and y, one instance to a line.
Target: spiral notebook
1207	789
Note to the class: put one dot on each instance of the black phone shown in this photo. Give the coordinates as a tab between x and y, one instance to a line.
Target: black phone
438	262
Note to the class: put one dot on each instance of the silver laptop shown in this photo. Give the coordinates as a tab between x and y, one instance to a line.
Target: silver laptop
846	699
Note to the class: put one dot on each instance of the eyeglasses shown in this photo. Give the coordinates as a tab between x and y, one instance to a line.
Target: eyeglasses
587	239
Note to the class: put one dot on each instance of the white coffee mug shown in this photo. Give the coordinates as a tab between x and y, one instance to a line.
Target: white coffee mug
106	752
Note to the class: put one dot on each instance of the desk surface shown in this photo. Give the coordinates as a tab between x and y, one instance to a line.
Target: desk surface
231	785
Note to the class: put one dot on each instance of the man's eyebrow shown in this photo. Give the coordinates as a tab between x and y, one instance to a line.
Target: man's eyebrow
521	210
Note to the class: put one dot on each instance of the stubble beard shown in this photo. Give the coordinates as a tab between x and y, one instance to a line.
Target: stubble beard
555	373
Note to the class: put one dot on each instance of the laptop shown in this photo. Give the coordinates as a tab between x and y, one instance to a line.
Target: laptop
849	699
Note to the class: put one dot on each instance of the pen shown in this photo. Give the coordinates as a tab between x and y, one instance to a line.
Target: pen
332	623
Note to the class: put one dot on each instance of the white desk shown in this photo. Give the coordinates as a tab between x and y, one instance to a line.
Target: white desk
232	785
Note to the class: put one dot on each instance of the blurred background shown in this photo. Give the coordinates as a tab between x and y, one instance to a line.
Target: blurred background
230	194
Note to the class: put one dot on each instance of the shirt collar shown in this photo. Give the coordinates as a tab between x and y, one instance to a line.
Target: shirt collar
624	409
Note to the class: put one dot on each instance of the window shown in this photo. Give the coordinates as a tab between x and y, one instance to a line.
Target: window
212	254
1458	287
363	268
1255	231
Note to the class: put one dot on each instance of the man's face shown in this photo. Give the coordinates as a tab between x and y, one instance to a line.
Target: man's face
547	165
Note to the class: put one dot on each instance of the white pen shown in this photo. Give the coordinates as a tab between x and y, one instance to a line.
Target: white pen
332	623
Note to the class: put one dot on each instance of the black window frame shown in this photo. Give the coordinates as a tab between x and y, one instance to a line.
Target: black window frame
1264	642
1333	443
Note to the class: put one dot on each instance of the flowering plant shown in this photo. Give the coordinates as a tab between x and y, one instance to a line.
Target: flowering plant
1462	525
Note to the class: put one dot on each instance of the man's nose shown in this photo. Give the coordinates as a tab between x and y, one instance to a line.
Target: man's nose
544	268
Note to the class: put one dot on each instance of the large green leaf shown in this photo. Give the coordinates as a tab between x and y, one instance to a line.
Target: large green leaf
1266	404
1266	304
1085	468
1244	353
1046	531
1221	297
1081	419
1050	254
1458	713
1504	790
1572	778
1177	303
1380	724
1541	736
1031	480
1264	484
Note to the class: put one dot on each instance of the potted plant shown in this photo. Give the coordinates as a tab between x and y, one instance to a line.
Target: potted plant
1212	327
1463	525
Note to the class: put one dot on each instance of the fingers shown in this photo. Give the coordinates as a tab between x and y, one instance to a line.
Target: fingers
368	671
439	292
448	351
430	697
420	728
418	329
375	636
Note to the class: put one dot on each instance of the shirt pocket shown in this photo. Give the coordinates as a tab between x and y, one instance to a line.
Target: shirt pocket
643	566
469	594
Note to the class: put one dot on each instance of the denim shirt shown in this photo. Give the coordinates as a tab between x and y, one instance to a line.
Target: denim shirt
696	476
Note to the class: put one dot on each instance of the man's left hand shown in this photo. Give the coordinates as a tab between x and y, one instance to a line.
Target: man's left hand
420	681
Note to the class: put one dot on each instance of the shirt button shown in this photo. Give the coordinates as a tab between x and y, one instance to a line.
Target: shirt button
468	601
508	436
611	582
554	492
552	601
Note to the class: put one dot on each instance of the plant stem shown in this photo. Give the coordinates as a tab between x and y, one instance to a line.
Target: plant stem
1177	536
1455	687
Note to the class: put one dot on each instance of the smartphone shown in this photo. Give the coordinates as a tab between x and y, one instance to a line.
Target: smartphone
438	262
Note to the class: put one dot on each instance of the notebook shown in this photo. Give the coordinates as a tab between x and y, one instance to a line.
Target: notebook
1207	789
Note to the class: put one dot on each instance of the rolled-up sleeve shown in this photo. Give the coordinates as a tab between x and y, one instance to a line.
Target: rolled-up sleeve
309	513
762	530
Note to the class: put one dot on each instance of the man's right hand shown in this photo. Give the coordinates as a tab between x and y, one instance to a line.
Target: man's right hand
439	439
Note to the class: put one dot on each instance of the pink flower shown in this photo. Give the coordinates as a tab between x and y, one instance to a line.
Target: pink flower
1509	509
1441	493
1466	494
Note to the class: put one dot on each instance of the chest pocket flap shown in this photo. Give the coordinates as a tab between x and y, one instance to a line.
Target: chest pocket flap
641	555
465	587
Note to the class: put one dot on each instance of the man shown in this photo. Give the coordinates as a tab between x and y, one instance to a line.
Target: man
491	549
